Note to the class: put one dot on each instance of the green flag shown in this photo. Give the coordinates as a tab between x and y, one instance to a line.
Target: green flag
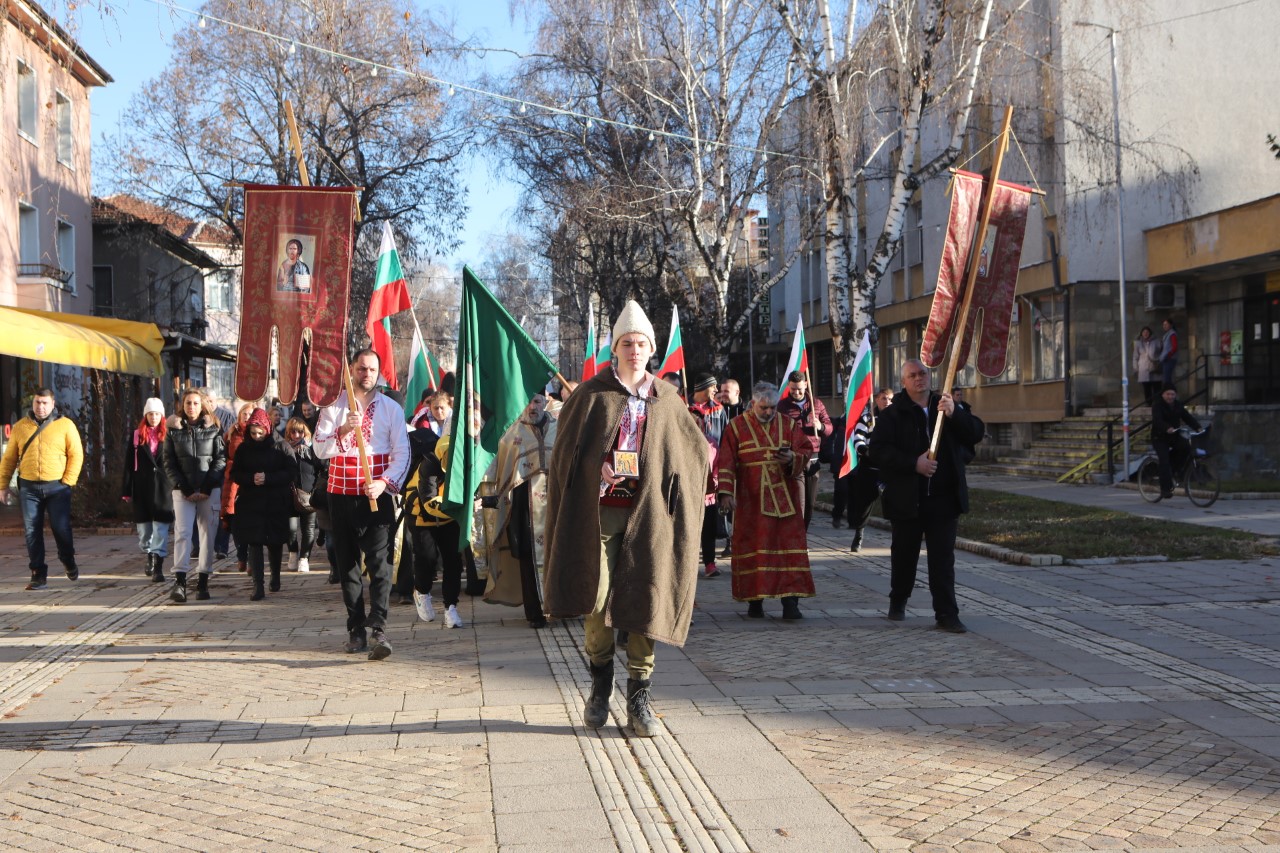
500	368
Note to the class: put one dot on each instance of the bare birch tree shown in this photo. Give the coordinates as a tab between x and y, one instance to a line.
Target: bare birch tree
874	85
692	91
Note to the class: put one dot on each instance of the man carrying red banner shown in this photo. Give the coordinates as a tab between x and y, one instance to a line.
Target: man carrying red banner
355	527
923	498
761	459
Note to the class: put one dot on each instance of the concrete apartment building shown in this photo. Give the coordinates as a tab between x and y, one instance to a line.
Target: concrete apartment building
1201	213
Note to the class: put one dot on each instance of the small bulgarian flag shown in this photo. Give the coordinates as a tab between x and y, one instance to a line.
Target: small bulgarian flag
857	398
422	370
390	296
604	357
799	358
589	360
673	361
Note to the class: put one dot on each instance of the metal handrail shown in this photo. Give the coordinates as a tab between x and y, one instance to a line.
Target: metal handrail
45	271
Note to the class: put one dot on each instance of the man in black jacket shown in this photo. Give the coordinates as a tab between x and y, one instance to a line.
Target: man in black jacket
1167	414
923	498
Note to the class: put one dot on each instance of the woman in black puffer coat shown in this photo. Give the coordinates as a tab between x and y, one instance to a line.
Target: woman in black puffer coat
194	456
264	473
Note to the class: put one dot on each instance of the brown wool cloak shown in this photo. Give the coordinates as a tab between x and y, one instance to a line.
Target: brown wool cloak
657	572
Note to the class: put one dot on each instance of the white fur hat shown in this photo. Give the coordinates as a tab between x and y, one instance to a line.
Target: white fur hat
633	319
153	404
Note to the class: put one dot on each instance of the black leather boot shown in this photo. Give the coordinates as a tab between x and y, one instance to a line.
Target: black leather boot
791	608
258	592
597	710
151	565
275	576
202	587
857	541
178	593
157	568
640	714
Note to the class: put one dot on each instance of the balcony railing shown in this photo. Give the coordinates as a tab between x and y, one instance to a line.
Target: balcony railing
45	271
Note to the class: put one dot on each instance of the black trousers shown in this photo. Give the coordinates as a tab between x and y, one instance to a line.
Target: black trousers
356	532
864	488
520	539
435	551
938	532
1172	455
710	522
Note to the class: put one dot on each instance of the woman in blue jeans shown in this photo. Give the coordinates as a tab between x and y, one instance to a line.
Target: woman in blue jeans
147	488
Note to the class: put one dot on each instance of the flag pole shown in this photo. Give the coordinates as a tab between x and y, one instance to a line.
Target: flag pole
430	373
296	141
971	271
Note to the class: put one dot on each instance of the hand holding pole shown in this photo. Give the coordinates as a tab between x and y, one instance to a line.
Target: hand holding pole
360	448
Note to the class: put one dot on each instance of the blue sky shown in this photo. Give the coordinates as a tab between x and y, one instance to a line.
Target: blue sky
132	45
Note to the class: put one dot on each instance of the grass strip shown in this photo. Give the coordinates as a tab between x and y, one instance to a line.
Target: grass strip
1039	526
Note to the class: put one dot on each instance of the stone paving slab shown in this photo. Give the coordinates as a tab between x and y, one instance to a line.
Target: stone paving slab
1121	707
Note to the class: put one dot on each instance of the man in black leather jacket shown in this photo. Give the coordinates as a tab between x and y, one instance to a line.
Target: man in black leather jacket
923	498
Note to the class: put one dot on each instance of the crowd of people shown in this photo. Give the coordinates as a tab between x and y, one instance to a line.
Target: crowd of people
654	472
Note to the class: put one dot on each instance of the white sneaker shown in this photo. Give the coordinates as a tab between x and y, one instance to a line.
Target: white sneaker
304	565
426	609
451	617
293	561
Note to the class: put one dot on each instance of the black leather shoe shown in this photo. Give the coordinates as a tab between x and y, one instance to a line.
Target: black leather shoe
952	625
73	572
381	648
791	609
356	642
897	612
857	541
755	609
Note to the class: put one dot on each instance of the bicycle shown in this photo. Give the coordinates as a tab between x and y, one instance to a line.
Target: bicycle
1195	476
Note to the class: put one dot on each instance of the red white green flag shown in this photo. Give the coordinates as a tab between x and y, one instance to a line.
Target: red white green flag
604	357
589	359
799	358
390	296
422	374
673	361
857	398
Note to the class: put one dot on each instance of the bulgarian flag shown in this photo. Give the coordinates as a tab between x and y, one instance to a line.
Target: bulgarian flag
673	361
799	358
390	296
589	360
857	398
422	370
604	357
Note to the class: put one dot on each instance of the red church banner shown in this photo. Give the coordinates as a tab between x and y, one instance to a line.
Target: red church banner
297	276
998	261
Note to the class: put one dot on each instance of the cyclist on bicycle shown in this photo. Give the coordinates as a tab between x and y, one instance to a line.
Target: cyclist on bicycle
1167	414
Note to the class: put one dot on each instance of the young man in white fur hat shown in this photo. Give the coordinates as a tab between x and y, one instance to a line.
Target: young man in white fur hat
629	470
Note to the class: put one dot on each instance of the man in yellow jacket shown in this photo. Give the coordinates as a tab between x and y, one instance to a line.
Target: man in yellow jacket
45	450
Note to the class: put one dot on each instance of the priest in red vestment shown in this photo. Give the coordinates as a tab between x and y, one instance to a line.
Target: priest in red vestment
761	461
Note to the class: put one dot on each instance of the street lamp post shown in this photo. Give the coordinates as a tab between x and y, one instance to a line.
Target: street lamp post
1124	320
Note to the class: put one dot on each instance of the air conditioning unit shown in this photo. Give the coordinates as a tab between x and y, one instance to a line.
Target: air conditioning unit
1165	297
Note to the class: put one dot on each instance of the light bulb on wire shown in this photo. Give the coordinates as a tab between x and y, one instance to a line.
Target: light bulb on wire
293	48
202	23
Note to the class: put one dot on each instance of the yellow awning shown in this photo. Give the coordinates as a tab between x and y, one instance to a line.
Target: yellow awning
120	346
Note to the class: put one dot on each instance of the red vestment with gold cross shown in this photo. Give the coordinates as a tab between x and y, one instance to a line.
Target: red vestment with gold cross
770	548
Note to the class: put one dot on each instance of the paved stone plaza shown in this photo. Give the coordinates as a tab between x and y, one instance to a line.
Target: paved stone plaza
1133	706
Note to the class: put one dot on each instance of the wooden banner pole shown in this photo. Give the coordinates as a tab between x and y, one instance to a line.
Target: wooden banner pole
971	271
296	141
